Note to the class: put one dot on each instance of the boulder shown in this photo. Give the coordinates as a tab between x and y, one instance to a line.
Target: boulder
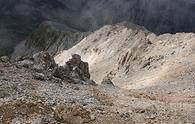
45	60
25	63
38	68
78	68
60	72
39	76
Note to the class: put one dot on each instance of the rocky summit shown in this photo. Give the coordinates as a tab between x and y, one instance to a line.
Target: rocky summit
97	62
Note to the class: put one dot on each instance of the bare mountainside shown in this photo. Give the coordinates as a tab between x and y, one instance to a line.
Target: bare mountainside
153	80
136	59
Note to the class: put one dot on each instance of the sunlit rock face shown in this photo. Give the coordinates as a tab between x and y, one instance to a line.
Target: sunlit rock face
19	18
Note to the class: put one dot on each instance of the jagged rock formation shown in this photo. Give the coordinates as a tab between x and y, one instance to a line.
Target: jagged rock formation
44	67
51	37
74	70
136	58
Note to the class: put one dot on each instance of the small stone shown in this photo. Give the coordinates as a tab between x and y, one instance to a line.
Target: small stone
76	88
92	117
2	73
91	82
39	76
3	94
78	81
38	68
25	64
57	80
107	81
16	121
125	115
39	121
151	112
4	59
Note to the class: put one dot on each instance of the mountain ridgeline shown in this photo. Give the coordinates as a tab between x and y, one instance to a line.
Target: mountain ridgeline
19	18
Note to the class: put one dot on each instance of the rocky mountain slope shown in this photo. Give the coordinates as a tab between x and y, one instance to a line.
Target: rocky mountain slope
49	36
28	98
135	58
153	78
142	76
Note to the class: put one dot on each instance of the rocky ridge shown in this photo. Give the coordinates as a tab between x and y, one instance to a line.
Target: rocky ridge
137	59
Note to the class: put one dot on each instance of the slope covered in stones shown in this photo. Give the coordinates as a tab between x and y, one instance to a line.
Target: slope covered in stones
24	98
137	59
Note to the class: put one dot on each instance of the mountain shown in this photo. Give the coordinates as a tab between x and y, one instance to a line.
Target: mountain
135	58
142	77
19	18
49	36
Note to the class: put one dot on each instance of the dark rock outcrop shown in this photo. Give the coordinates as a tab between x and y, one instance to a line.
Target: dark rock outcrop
45	60
75	71
43	67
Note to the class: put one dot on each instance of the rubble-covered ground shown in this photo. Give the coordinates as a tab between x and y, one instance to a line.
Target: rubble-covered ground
26	100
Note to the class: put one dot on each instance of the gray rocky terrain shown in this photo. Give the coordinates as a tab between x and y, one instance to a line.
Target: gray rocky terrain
119	74
30	95
97	62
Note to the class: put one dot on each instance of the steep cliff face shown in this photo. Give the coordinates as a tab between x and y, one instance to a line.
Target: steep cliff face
136	58
49	36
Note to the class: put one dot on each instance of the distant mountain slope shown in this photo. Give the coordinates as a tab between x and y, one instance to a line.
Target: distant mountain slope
135	58
49	36
18	18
